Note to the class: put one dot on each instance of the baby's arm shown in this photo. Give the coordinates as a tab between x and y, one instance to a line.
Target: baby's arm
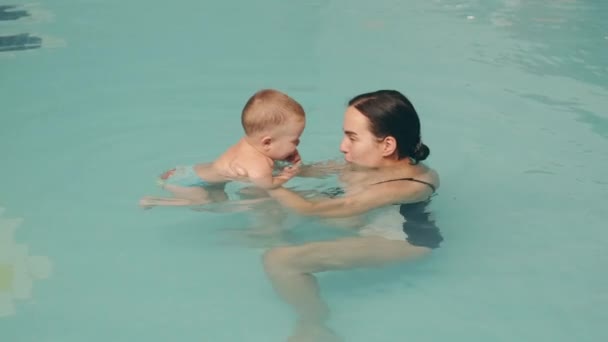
286	174
262	177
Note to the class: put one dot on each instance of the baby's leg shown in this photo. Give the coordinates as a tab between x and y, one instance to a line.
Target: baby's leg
184	196
148	202
217	194
193	193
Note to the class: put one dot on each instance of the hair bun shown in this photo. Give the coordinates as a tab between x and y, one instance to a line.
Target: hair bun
421	152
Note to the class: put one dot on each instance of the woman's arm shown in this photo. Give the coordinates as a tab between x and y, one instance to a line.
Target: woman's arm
321	169
373	197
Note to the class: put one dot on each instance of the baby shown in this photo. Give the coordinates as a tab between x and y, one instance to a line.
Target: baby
273	124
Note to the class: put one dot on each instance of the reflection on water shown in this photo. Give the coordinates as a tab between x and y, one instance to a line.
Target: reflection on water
563	38
17	23
18	269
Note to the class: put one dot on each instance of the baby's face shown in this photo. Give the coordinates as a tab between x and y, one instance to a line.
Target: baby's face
285	139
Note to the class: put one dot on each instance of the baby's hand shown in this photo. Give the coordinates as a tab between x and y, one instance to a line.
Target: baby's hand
288	173
291	171
294	158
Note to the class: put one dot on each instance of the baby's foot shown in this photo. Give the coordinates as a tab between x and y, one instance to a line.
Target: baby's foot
147	202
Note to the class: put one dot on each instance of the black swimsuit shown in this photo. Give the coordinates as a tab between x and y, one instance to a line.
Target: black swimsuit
419	226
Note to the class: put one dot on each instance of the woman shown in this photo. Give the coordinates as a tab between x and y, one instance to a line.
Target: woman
383	175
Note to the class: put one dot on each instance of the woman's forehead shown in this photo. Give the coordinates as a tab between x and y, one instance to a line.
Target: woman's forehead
355	121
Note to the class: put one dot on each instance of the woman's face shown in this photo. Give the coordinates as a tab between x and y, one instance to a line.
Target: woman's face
359	145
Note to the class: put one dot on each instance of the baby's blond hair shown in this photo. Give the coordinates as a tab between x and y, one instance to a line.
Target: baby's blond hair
269	108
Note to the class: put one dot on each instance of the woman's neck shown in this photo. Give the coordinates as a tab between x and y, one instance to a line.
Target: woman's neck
396	163
394	169
391	163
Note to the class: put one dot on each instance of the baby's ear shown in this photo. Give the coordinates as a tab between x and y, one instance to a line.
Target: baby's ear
266	140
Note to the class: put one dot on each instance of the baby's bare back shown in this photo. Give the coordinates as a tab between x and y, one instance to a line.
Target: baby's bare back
238	163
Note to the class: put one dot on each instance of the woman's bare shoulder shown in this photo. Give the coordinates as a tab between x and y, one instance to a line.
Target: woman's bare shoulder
417	181
431	176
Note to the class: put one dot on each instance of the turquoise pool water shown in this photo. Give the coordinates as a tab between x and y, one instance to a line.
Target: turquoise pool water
513	96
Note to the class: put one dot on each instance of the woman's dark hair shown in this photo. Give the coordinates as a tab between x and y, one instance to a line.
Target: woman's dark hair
390	113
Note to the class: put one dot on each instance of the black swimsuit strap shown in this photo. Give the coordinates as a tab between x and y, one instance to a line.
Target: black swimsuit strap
411	180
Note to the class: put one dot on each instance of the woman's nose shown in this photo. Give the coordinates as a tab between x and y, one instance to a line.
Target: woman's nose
344	145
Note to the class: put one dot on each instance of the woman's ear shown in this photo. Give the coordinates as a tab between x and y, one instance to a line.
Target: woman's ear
389	146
